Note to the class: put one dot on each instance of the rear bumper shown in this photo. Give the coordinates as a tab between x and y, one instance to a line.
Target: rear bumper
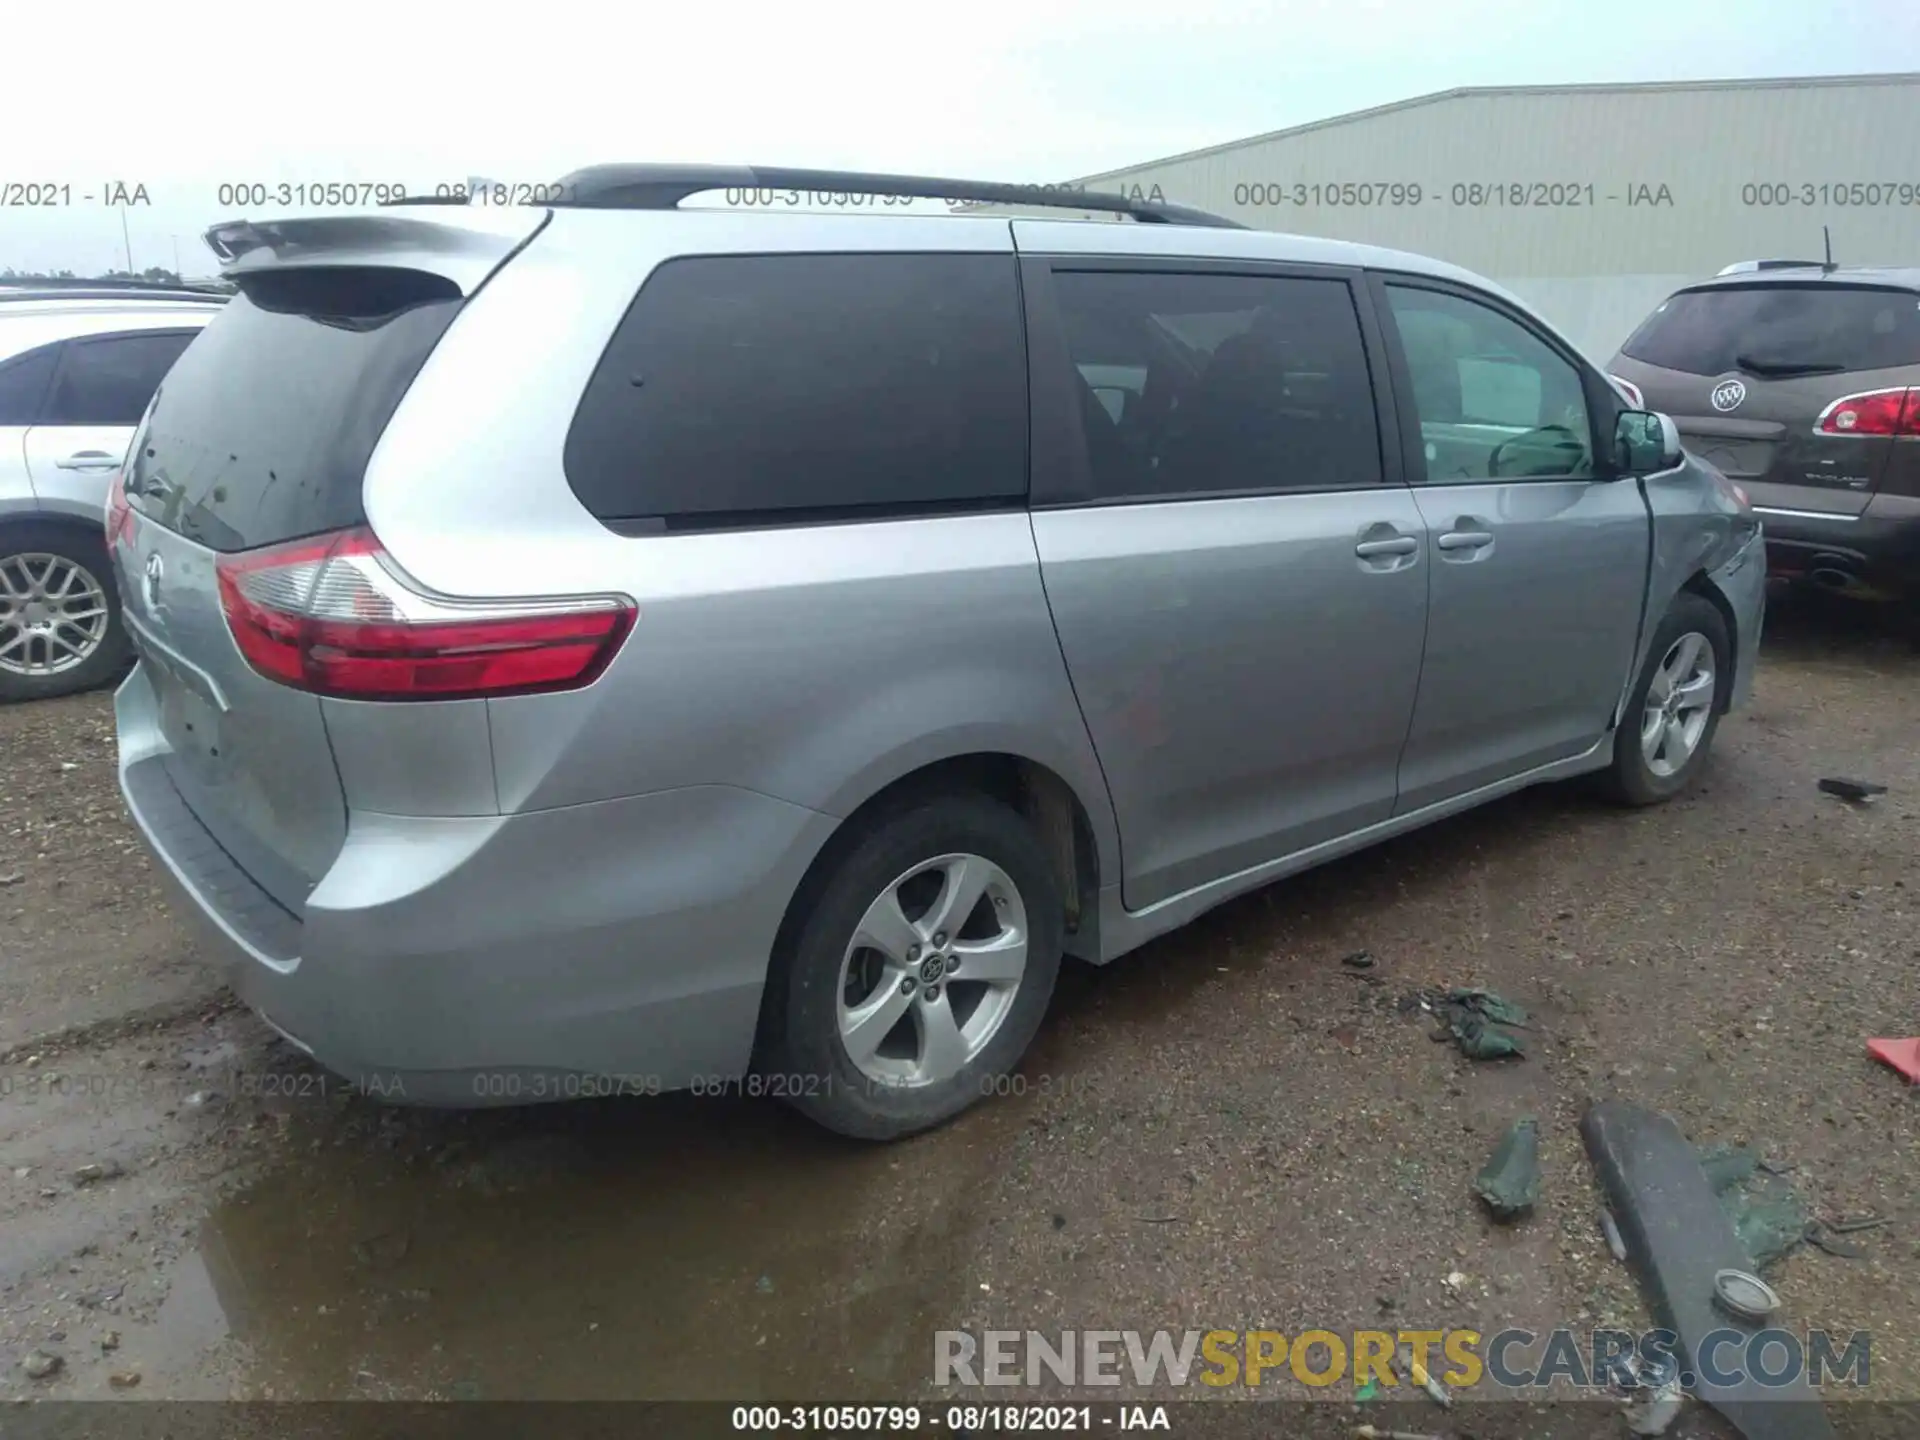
617	946
1876	554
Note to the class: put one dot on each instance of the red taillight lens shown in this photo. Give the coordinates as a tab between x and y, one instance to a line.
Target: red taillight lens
1874	412
119	513
1631	391
329	615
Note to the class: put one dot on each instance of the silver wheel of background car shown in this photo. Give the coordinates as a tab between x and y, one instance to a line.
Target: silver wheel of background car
932	970
53	614
1679	704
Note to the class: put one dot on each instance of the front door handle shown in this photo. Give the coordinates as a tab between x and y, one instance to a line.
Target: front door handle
1398	545
89	460
1464	540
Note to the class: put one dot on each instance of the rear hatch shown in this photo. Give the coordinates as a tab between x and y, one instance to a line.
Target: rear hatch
1749	371
261	434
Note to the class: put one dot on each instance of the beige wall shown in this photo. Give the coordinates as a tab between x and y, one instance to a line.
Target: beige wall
1594	267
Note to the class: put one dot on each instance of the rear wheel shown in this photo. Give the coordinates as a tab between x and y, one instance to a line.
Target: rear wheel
60	627
921	970
1675	707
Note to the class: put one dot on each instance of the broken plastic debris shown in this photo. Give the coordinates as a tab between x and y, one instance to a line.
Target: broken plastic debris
1658	1414
1510	1181
1902	1055
1475	1019
1855	790
1727	1165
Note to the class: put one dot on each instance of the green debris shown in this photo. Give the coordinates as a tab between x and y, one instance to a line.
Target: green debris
1477	1020
1727	1165
1510	1181
1368	1391
1487	1005
1769	1218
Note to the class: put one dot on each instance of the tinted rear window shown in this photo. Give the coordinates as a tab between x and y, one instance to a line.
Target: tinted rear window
1708	332
262	430
743	388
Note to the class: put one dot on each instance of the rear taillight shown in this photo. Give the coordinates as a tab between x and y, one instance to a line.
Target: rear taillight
1631	391
1872	412
330	615
119	512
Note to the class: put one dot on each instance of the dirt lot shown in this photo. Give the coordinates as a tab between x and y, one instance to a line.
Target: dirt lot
1228	1129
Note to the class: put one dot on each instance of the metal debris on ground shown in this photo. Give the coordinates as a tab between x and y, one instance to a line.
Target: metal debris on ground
1509	1183
1822	1237
1657	1415
1422	1377
1477	1021
1854	790
1848	1224
1369	1432
1358	960
1609	1227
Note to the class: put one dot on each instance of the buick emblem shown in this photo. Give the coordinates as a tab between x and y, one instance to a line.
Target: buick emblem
156	568
1728	394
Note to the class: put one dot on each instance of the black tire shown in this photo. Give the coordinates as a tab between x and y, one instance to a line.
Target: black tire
807	1060
1631	779
108	661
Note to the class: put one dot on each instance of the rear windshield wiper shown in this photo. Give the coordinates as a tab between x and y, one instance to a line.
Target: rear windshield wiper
1782	369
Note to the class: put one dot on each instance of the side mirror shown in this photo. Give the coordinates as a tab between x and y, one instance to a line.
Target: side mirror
1644	442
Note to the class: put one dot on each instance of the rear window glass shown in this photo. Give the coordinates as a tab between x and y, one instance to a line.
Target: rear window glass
262	430
1762	327
744	388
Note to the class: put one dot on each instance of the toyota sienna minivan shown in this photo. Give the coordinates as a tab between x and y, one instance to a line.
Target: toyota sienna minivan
615	645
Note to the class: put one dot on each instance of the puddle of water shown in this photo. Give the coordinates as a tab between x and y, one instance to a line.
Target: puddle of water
670	1249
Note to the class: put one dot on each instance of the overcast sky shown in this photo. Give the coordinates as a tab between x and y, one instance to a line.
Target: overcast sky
184	95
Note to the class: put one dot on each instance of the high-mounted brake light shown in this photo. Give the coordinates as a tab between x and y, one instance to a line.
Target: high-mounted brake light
1872	412
331	616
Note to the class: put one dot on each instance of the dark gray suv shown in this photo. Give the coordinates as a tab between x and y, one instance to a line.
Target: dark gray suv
1801	383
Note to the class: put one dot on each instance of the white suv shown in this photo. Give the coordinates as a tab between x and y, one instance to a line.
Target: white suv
78	364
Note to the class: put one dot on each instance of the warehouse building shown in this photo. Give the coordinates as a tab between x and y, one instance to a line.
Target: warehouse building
1592	202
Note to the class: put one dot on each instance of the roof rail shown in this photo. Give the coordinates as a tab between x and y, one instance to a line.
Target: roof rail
53	287
17	294
663	187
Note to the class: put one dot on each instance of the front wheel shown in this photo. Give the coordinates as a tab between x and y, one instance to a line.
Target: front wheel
921	970
60	627
1674	709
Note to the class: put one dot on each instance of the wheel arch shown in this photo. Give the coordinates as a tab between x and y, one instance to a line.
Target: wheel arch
1701	583
1066	826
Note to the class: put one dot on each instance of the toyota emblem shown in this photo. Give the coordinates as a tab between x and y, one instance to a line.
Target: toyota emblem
1728	394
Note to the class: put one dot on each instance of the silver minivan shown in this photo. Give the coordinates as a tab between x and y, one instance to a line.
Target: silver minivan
611	646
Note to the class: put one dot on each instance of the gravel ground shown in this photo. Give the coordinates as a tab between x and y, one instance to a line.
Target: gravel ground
1228	1129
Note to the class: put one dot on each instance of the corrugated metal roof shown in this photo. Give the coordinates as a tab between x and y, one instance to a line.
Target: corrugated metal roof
1904	77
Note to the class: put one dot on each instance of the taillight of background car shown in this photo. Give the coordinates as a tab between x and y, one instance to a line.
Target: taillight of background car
329	615
1873	412
1630	390
119	512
